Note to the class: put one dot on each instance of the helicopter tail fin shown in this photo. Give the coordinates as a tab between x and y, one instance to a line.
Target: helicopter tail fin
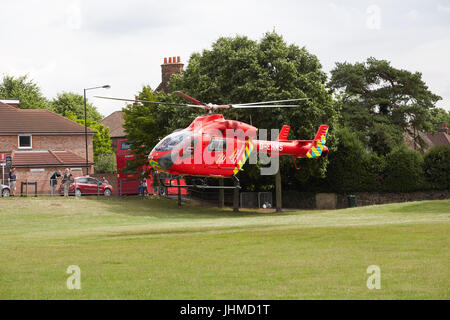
318	148
284	133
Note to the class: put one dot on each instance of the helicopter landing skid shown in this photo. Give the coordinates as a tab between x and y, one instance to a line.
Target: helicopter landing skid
204	186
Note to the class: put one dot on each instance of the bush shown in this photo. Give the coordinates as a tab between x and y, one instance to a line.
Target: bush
437	167
404	171
106	163
346	171
372	179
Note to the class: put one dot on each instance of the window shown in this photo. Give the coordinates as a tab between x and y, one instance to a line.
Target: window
25	142
125	145
82	180
217	145
172	141
92	181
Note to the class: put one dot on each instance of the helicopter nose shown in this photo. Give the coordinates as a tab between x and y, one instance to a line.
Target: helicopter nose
164	162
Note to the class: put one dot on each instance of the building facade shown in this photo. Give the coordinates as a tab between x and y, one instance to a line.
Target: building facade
41	142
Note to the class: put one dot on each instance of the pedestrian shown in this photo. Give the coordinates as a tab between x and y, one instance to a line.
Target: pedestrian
54	181
67	178
144	188
12	177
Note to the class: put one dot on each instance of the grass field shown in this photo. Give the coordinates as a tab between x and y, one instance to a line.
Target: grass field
151	249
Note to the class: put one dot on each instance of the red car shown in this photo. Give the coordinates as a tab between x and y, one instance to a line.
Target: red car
88	185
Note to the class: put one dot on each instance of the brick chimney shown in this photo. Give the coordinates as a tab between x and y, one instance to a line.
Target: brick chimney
444	128
171	65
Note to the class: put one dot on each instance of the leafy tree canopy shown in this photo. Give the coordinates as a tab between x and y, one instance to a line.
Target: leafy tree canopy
25	90
239	70
71	103
380	101
439	116
437	167
101	140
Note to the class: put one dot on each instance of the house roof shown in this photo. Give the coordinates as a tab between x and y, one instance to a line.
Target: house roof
115	124
439	139
16	121
47	158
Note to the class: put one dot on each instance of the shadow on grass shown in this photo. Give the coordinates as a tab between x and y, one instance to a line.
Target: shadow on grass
158	207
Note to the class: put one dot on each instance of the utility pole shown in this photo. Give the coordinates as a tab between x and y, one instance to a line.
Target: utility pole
221	194
278	190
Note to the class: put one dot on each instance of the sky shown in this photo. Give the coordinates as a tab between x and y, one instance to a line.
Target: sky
65	46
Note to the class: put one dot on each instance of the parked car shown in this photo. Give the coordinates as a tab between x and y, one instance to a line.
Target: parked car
5	191
88	185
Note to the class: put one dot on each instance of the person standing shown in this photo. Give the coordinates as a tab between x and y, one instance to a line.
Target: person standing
12	177
66	180
54	181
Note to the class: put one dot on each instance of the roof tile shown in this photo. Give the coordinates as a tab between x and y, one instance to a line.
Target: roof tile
15	121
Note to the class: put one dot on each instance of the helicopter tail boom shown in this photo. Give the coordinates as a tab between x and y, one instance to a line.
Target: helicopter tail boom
297	148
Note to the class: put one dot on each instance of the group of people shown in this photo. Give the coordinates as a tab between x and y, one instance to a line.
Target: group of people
67	179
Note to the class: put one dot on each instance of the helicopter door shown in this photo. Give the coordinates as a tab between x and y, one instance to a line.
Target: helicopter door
216	153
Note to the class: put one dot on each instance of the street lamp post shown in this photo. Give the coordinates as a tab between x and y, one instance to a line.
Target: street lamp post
85	122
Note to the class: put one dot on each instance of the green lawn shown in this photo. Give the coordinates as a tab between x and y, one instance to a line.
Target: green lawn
151	249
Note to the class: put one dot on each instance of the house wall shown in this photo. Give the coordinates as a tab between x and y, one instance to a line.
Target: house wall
74	143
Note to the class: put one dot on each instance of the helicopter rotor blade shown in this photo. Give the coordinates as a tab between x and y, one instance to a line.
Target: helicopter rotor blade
240	106
269	102
193	100
155	102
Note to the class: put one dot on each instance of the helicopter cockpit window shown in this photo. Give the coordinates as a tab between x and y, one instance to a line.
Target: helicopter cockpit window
217	145
173	140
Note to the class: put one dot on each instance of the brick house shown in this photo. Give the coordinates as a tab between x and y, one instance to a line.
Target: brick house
442	138
115	124
41	142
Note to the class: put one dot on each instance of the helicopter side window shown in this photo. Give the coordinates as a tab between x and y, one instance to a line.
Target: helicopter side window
217	145
170	142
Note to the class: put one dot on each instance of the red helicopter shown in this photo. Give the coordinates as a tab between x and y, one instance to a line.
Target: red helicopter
215	147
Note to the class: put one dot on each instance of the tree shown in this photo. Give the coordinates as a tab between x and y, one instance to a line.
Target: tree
439	116
106	163
239	70
68	103
25	90
347	165
404	171
437	167
380	101
101	140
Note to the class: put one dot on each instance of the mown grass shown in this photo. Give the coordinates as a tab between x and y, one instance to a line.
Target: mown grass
151	249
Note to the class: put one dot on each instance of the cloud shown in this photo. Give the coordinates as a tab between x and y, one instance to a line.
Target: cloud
444	9
413	14
71	45
74	16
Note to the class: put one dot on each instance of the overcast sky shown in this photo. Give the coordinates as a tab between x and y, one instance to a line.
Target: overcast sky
75	44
